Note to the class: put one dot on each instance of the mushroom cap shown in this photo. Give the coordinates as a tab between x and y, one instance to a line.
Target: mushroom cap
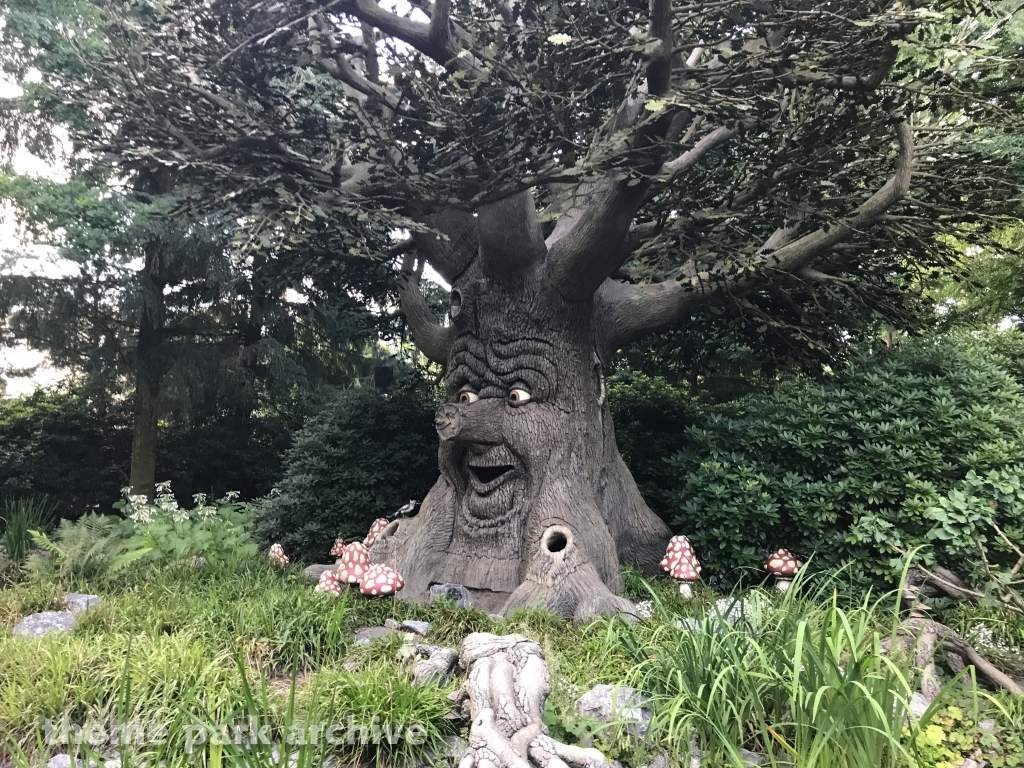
277	553
338	548
381	580
378	525
328	583
782	563
679	560
355	561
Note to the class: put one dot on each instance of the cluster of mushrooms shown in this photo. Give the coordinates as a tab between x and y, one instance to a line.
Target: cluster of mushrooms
353	567
682	565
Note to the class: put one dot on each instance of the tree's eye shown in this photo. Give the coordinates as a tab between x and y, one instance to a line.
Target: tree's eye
466	397
519	396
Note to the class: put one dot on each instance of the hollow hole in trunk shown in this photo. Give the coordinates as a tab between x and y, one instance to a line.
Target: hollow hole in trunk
456	303
555	540
489	474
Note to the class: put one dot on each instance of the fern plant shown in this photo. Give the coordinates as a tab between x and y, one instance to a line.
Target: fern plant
84	550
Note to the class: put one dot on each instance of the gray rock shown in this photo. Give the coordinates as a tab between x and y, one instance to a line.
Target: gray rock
610	703
65	761
495	617
455	592
918	704
689	624
79	603
313	572
751	759
364	635
988	726
45	623
436	666
658	762
969	763
392	624
419	627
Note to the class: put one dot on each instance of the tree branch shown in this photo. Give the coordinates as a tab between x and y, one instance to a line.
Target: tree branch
632	311
454	247
692	156
433	339
659	68
799	253
510	236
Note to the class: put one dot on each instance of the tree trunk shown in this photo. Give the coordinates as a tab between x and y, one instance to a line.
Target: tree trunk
534	503
148	375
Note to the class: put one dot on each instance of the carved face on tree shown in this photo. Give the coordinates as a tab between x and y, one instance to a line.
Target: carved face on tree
532	490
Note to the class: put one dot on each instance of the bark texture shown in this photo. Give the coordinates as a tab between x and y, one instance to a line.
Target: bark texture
534	502
506	687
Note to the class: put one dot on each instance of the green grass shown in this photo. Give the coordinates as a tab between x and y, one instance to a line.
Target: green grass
801	679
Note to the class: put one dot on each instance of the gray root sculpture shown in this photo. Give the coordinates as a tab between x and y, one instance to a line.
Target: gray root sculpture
506	687
534	503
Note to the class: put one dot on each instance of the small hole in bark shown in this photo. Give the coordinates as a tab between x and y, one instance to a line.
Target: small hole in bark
456	303
555	541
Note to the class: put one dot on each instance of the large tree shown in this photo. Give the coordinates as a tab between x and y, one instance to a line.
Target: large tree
581	174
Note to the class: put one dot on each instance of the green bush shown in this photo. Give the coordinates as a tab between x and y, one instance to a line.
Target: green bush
77	452
167	533
857	470
360	458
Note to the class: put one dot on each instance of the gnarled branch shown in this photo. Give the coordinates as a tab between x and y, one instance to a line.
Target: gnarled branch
433	339
632	311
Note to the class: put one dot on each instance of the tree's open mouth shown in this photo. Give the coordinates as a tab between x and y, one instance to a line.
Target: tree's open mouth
487	475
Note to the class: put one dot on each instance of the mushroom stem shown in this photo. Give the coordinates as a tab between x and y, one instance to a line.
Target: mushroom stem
685	589
782	584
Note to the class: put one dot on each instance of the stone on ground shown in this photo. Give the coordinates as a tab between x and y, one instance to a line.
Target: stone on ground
419	627
45	623
455	592
79	603
364	635
612	703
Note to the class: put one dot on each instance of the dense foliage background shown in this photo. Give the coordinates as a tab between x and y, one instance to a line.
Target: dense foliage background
917	444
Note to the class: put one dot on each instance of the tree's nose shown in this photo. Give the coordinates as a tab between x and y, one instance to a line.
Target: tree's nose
478	422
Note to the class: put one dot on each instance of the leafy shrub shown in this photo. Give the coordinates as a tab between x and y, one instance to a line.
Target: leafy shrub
165	533
360	458
57	444
859	469
77	452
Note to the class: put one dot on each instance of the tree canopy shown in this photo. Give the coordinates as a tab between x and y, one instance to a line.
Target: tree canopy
790	162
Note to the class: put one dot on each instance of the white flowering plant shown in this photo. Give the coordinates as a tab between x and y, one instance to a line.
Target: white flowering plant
164	531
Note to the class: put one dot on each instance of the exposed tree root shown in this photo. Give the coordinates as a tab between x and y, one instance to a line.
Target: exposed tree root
505	689
923	637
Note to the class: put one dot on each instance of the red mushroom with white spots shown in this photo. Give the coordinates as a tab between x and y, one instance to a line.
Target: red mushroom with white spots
783	566
378	525
355	562
681	564
329	583
381	580
339	548
278	556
